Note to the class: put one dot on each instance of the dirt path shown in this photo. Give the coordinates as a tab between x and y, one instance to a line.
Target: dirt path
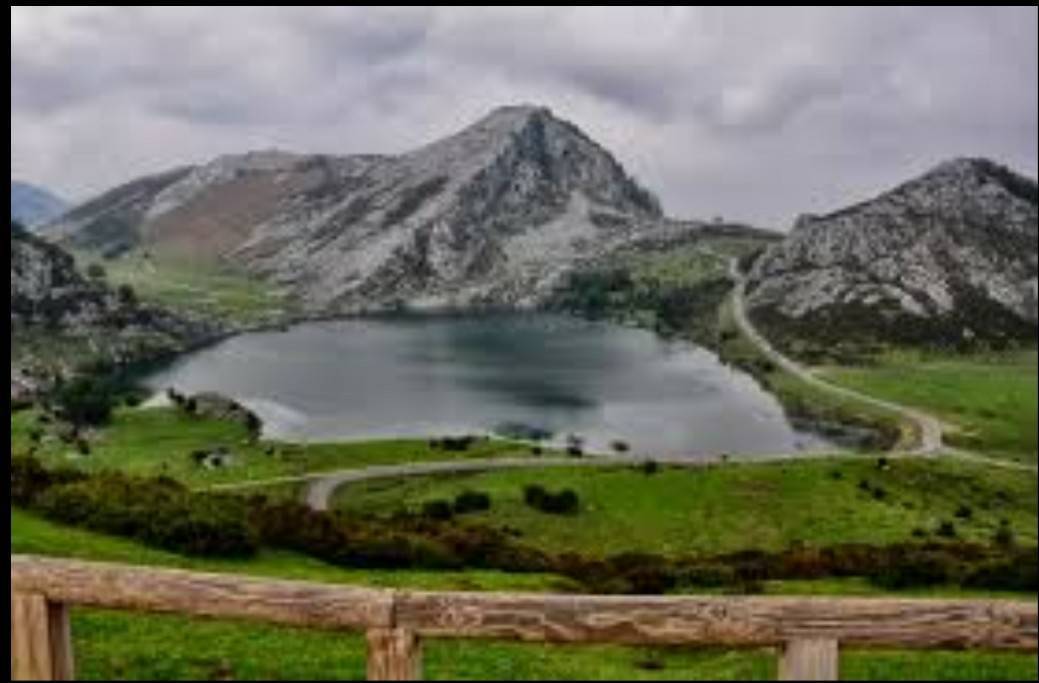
929	427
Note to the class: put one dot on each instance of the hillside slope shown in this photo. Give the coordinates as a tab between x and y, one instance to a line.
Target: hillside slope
492	216
950	257
62	321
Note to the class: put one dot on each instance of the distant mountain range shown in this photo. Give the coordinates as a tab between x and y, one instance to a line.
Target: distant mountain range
499	214
950	256
32	205
491	216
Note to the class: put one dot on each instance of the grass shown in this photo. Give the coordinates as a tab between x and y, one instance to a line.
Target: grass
131	646
798	398
31	535
735	507
160	441
119	646
992	399
194	287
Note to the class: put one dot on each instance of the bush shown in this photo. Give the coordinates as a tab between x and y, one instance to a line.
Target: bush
650	467
437	509
1019	572
158	512
964	512
472	501
565	502
620	446
85	401
946	529
1003	537
29	479
916	569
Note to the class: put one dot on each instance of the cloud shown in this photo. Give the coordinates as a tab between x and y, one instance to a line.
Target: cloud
757	113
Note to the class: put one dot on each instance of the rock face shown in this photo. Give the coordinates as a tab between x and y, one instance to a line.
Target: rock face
951	255
491	216
50	298
32	205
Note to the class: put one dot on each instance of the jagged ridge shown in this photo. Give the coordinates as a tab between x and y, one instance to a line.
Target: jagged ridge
491	216
951	255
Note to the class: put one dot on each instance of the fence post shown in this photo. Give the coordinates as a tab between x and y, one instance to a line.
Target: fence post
394	654
41	642
813	659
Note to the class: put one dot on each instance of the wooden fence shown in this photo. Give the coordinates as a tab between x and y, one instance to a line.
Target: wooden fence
808	631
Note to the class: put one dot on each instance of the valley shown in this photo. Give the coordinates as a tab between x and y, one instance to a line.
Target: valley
504	295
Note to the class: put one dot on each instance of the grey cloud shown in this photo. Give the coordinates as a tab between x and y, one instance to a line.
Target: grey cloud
753	113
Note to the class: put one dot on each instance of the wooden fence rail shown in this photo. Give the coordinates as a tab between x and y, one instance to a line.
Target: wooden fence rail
809	631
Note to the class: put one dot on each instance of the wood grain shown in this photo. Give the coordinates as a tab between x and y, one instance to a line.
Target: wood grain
727	621
115	586
809	629
394	655
41	646
810	660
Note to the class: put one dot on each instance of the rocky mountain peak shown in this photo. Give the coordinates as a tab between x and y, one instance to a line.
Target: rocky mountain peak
950	253
490	215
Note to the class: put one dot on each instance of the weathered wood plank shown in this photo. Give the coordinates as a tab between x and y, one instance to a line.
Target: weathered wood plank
199	594
59	621
394	655
726	621
41	646
810	660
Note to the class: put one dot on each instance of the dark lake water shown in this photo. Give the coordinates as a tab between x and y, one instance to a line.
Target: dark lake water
423	376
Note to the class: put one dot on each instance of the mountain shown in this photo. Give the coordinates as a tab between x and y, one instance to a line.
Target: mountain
59	318
32	205
494	215
947	257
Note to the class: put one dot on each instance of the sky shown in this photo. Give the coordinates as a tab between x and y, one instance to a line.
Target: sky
756	114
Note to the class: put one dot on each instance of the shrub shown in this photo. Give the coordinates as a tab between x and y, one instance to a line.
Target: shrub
158	512
565	502
650	467
96	272
472	501
29	479
85	401
533	494
437	509
1003	537
946	529
1019	572
964	512
879	493
914	569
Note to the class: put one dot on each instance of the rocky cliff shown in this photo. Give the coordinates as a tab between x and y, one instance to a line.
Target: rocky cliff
949	257
492	216
62	321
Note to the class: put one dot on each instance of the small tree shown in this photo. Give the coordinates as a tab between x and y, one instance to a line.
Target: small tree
96	272
85	401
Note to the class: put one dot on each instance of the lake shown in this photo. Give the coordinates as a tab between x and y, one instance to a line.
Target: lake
405	376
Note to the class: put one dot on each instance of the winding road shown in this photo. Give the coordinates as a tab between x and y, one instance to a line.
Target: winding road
321	486
929	427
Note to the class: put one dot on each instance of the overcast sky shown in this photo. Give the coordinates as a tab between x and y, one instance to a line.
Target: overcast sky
756	114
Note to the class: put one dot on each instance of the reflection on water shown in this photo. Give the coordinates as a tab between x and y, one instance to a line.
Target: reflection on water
414	375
